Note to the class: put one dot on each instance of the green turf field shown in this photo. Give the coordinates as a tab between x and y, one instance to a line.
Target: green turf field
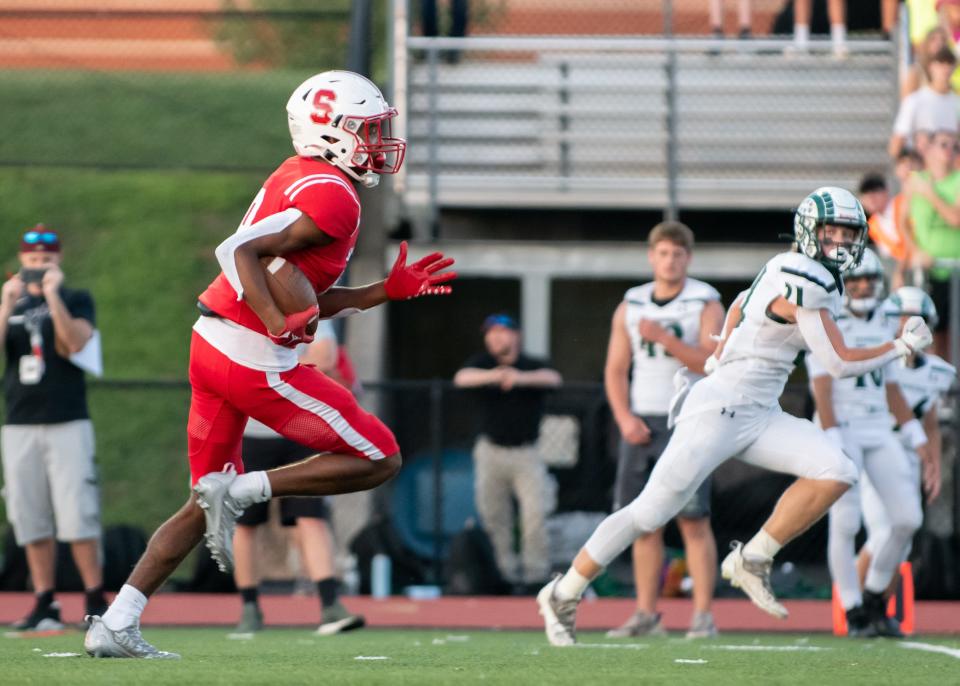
287	656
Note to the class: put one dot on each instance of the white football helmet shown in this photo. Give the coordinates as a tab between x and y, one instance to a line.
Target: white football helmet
909	301
342	117
872	268
837	207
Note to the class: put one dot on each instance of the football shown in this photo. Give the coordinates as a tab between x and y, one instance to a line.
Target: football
288	286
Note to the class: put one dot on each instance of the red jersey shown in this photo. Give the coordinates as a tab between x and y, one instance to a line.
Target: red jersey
319	190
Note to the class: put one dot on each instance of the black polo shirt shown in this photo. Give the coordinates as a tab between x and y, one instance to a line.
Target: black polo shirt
61	393
510	418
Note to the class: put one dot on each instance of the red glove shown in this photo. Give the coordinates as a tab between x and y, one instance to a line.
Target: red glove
295	328
420	278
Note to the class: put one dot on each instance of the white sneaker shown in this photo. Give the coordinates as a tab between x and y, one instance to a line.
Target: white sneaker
102	642
559	616
840	51
752	576
639	624
702	626
221	512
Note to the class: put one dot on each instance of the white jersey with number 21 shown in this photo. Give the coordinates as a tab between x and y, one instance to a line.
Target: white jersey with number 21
762	349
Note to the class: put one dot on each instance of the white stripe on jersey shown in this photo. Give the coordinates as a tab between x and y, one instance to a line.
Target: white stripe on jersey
329	414
294	189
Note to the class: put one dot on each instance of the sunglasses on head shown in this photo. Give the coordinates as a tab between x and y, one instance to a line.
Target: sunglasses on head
45	237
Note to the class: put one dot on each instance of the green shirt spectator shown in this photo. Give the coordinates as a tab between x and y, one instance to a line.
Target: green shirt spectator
934	233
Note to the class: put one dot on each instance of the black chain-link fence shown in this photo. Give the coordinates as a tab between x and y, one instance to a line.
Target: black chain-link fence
143	469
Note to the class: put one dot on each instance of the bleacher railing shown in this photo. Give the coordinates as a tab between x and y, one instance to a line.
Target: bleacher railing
637	122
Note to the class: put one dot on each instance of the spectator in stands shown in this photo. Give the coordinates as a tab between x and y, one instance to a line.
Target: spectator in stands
263	448
836	13
459	18
932	108
886	215
743	18
916	76
510	389
49	475
934	203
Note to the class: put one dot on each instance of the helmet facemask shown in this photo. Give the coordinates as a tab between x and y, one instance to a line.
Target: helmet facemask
821	214
375	149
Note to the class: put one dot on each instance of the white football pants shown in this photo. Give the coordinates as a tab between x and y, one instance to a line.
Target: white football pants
708	433
875	513
883	460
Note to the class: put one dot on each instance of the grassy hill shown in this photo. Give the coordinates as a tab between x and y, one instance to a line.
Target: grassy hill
142	242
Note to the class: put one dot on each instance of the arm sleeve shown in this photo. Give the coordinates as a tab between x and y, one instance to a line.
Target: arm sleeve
331	207
814	368
815	336
80	306
274	223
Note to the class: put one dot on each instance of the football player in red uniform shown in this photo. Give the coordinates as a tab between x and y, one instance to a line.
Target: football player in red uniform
243	361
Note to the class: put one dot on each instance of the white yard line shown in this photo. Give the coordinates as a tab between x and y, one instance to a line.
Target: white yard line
930	648
776	649
627	646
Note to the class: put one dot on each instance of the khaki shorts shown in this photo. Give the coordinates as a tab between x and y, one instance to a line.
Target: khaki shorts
50	481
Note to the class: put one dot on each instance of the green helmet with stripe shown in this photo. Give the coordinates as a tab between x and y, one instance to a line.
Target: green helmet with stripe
834	206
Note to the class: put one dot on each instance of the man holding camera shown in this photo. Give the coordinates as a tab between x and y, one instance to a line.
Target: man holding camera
47	444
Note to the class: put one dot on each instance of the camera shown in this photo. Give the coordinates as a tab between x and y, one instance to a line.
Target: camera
32	275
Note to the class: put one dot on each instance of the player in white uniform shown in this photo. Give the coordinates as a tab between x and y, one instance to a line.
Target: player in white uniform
924	378
854	412
658	329
735	412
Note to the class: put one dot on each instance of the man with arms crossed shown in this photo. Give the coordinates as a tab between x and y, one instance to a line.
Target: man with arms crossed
854	412
734	412
658	329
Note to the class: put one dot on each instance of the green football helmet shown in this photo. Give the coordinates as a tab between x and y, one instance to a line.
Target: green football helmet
909	301
871	268
830	205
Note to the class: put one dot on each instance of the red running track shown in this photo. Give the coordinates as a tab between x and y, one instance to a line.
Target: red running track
194	609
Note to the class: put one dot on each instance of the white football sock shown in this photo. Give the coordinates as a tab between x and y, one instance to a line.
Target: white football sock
801	34
125	609
762	545
572	585
250	488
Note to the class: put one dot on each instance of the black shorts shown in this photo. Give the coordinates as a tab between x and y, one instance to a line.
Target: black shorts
636	462
940	293
269	453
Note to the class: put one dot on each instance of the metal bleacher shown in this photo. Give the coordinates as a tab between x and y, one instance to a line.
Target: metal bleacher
640	123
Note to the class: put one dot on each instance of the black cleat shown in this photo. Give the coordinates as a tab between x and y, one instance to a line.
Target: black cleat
875	608
858	624
41	619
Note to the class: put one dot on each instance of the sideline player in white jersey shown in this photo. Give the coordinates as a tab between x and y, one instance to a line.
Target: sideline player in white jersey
854	412
734	412
660	328
924	378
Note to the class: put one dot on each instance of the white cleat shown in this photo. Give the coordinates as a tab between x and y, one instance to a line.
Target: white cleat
221	512
752	576
103	642
559	616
